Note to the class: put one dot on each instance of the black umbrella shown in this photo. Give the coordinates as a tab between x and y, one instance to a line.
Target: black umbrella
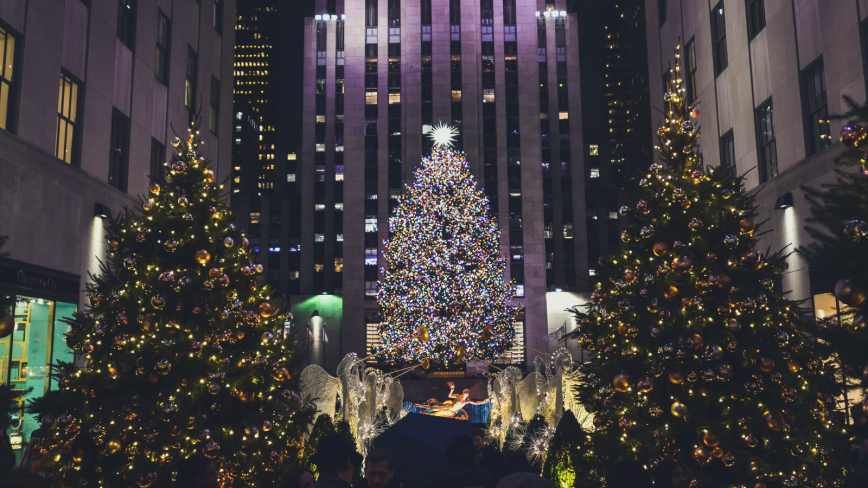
418	444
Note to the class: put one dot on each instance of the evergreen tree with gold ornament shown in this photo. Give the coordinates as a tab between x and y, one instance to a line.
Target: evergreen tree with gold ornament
699	357
185	349
443	284
838	257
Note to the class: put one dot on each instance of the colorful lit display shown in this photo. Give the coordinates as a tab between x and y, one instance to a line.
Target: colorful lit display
444	269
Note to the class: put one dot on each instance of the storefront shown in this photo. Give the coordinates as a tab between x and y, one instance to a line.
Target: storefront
44	300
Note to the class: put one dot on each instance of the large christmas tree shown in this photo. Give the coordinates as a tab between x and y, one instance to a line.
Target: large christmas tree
445	270
185	351
839	254
699	356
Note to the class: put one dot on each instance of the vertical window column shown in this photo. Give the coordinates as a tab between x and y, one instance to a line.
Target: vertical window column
546	153
565	153
455	54
67	133
427	78
513	147
371	151
339	160
489	110
394	83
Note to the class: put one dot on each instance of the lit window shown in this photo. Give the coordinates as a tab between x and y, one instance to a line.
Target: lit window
254	217
371	97
371	35
339	172
595	172
318	268
320	119
371	288
237	128
339	237
339	207
519	290
456	95
371	224
394	97
319	238
237	141
613	215
319	207
293	275
508	33
426	33
568	230
594	150
339	265
563	115
290	178
488	95
394	35
66	118
371	256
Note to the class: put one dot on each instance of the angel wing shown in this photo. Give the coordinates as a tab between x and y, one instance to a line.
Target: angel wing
528	395
395	403
321	389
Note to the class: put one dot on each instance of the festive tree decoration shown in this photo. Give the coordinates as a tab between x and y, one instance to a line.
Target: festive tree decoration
323	427
444	279
699	357
185	351
563	449
839	256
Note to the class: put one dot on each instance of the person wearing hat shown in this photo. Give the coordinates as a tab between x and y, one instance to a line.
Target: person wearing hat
336	459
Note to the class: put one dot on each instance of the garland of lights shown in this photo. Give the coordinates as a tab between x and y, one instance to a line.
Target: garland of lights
444	268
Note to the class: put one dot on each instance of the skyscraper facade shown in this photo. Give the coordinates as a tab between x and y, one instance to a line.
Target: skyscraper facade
378	75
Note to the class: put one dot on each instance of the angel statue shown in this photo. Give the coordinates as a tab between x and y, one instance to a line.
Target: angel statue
453	407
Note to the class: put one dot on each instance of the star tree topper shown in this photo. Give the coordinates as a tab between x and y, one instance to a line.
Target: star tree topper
443	135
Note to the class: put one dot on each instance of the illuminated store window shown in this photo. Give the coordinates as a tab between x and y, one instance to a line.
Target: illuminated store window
515	354
37	342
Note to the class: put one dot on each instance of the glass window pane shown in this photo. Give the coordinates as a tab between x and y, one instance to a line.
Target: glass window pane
67	155
73	101
60	96
4	105
10	57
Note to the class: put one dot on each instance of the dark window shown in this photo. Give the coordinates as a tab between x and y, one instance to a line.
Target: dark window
692	87
394	12
67	117
217	14
661	11
426	12
718	39
816	108
162	62
190	86
756	17
127	22
158	154
215	104
8	43
727	152
765	135
509	12
119	157
371	12
455	12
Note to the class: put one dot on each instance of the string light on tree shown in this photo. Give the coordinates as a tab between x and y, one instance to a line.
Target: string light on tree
443	283
699	355
185	349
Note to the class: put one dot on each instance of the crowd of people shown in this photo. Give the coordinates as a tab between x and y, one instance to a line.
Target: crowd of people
470	463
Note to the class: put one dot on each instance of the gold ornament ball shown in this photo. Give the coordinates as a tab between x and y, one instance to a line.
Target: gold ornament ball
266	309
155	188
621	383
678	409
751	441
209	176
244	242
773	421
733	325
767	365
7	324
267	425
676	377
214	272
670	293
245	396
710	439
646	384
114	245
214	388
852	135
203	256
717	452
228	242
747	226
660	249
695	113
112	446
